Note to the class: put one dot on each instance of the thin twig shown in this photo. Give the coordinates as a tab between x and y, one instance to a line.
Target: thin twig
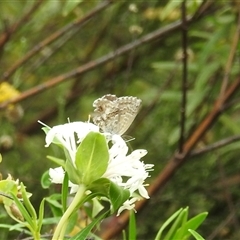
96	63
54	49
75	90
7	34
54	37
215	145
221	226
230	60
184	78
226	194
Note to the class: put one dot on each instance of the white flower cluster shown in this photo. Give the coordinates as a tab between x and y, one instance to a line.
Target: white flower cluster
124	170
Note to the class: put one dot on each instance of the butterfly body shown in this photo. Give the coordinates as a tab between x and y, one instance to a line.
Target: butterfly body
115	115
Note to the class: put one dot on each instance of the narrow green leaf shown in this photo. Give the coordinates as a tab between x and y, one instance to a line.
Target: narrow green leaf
72	222
180	233
229	123
170	7
58	161
54	200
132	226
65	192
30	224
193	224
166	223
27	203
196	221
41	214
92	157
16	227
50	221
196	235
204	76
177	223
85	232
69	6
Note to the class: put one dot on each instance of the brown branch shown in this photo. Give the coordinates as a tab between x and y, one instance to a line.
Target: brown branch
175	162
229	63
47	113
215	145
75	91
96	63
53	50
54	37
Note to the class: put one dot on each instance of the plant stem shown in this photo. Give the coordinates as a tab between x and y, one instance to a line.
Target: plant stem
61	227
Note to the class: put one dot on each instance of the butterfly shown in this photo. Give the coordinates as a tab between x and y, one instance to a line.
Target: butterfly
115	114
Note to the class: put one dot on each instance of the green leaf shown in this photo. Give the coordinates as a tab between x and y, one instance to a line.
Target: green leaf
116	194
41	214
45	180
73	174
132	226
46	129
180	233
229	123
54	204
30	224
58	161
65	192
166	223
196	235
85	232
177	223
204	76
72	222
16	227
92	157
169	8
27	203
7	187
193	223
69	6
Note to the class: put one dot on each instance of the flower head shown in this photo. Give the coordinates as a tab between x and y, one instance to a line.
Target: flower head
125	170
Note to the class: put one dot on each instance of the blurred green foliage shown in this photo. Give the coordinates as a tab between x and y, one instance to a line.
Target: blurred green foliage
152	72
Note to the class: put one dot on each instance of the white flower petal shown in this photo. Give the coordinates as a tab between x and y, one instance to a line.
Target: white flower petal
73	187
128	205
66	135
56	175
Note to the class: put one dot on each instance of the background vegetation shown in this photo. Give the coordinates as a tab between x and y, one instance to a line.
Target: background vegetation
57	57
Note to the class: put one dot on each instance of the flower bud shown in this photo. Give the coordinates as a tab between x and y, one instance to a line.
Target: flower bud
16	213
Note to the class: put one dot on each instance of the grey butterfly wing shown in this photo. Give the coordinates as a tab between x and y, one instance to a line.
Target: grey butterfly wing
128	110
105	111
115	115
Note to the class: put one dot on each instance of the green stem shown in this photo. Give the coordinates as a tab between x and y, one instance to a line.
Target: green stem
61	227
36	236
